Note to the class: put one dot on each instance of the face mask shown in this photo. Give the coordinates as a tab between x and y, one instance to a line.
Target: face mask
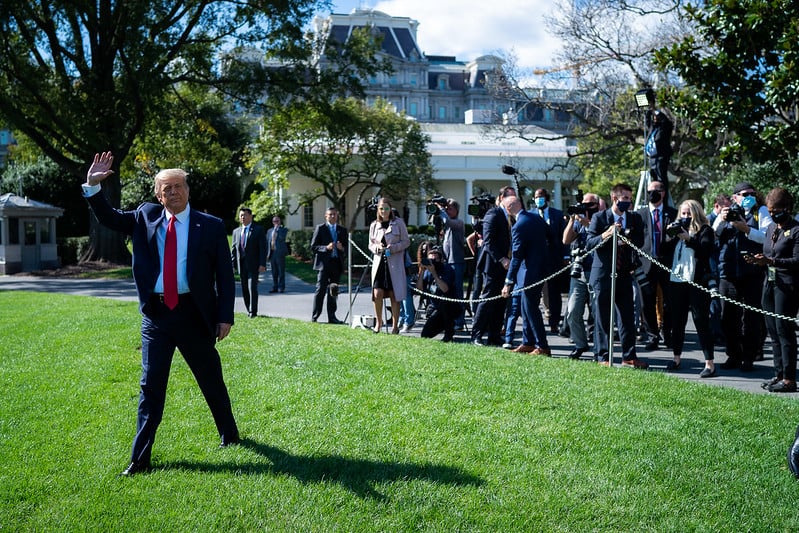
685	222
655	196
623	205
748	202
780	217
540	202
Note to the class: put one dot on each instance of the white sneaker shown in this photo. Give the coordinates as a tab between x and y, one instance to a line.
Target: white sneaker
507	346
406	328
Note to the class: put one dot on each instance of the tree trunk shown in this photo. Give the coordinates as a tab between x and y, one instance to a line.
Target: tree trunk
106	244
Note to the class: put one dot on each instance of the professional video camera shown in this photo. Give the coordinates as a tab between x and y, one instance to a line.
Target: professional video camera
579	209
736	212
480	205
435	204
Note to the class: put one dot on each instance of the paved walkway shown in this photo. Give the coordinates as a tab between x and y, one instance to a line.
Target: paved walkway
296	303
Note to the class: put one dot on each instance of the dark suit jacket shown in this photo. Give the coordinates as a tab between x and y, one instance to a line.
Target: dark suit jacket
554	234
496	240
667	244
281	248
602	266
208	267
529	261
785	252
254	249
321	238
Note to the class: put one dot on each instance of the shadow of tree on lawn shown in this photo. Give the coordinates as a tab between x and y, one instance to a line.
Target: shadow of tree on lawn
357	475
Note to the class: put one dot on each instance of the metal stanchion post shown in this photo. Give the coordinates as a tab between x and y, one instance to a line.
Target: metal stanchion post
349	279
612	296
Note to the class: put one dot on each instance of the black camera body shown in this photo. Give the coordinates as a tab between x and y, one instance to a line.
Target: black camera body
435	204
674	229
480	205
577	209
426	261
735	213
577	269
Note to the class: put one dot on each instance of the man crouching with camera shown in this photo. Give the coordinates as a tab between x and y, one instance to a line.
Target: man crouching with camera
438	278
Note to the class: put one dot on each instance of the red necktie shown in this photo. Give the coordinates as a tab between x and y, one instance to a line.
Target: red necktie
171	266
656	232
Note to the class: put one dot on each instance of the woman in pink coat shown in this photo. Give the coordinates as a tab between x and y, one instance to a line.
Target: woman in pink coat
388	239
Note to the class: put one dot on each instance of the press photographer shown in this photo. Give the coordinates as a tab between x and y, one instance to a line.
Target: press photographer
580	296
453	245
741	230
438	278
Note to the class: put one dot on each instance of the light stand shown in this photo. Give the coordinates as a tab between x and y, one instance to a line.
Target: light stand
644	99
511	171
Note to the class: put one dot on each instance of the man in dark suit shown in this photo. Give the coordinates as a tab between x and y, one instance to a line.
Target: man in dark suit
558	255
493	262
603	224
656	217
248	252
329	244
528	265
183	274
277	250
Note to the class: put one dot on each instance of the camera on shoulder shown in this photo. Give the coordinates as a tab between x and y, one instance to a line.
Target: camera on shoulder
435	204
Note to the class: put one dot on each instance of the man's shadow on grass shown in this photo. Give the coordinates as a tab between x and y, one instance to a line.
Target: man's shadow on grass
357	475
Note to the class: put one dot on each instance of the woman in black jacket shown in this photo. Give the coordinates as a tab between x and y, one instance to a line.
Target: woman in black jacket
692	263
781	287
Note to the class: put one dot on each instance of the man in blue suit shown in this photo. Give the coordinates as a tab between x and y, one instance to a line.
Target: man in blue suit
558	255
628	223
528	264
184	277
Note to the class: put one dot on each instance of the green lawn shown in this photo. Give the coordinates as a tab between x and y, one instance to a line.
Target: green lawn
349	431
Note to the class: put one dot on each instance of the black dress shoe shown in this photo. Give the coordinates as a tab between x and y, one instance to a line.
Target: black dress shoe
782	386
651	346
273	291
731	364
769	383
335	321
793	455
135	468
229	442
576	353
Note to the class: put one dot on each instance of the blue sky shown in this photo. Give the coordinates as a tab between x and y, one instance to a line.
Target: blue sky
470	28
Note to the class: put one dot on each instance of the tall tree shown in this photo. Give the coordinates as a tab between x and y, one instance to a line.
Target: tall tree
742	65
82	77
344	147
607	55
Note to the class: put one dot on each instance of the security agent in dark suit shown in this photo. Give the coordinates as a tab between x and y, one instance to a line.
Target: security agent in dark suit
557	256
528	264
656	217
277	250
493	262
248	252
189	310
329	243
629	224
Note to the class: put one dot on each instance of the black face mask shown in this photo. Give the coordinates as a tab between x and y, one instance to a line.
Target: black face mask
655	196
780	216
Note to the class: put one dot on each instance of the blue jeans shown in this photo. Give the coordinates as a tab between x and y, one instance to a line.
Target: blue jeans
579	298
513	311
407	310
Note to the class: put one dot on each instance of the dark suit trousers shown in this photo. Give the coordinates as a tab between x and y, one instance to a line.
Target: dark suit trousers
742	328
489	315
278	264
534	332
162	331
249	288
331	273
783	300
625	318
657	277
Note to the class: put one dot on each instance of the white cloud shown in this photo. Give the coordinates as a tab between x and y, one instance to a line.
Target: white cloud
468	29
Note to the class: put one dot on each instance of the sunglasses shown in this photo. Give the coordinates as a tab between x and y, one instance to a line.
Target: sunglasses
746	193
